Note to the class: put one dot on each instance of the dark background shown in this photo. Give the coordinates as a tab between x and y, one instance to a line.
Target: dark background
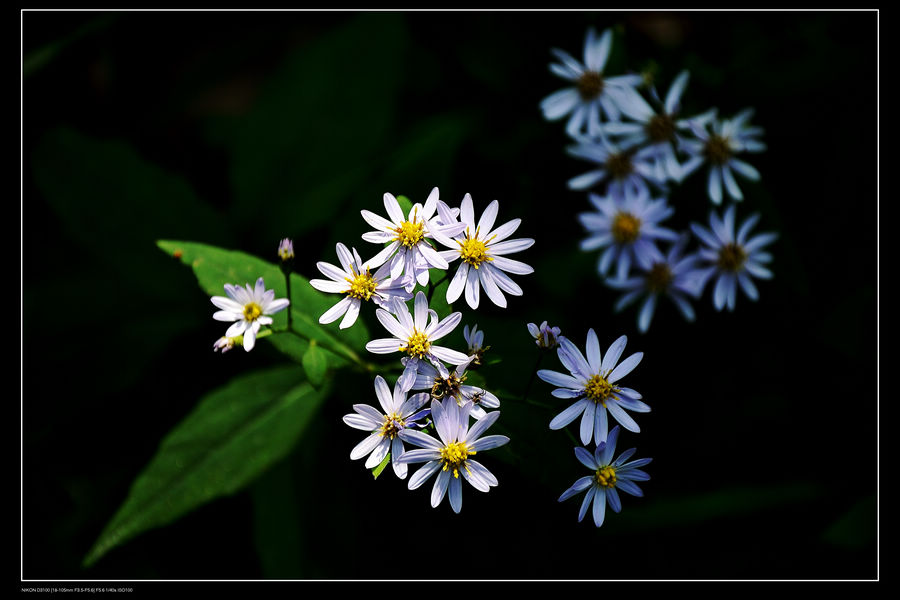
240	128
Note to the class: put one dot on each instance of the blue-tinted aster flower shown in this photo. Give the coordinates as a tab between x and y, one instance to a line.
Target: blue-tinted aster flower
545	337
623	169
415	335
444	383
450	455
658	130
609	476
628	228
592	92
674	276
475	341
399	413
733	259
717	145
355	279
593	382
249	309
407	238
482	250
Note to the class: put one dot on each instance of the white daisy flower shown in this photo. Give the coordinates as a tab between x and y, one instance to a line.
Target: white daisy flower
399	413
356	280
592	91
734	259
482	250
628	228
407	238
609	475
449	456
415	335
594	383
249	308
444	383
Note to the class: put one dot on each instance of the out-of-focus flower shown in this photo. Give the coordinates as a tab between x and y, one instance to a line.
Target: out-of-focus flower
718	144
592	92
733	259
628	228
249	308
399	413
286	250
450	455
482	250
415	335
359	284
593	382
609	475
674	276
407	238
626	170
545	337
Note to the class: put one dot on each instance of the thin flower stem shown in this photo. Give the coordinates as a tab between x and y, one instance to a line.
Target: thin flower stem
287	280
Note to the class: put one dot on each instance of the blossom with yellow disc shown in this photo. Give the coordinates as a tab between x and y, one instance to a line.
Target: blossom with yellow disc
249	309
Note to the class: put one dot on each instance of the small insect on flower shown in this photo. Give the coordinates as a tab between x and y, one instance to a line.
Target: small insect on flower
592	92
609	475
355	280
249	308
733	259
545	337
399	414
594	383
450	455
444	384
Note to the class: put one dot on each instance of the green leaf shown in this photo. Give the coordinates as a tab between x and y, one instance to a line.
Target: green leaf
315	364
234	434
214	267
384	462
405	204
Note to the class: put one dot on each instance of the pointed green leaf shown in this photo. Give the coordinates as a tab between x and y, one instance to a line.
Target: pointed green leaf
233	435
384	462
315	363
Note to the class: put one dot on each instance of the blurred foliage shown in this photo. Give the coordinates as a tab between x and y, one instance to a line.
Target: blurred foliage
235	130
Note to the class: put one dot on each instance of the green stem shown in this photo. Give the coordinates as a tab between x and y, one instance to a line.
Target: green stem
287	280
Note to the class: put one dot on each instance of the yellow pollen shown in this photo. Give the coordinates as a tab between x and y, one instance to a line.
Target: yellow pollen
598	389
717	150
625	228
447	387
606	476
417	345
454	456
252	311
410	233
362	285
473	251
391	426
659	277
731	257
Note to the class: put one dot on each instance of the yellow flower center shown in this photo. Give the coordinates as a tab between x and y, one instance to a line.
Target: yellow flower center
417	345
391	426
731	257
606	476
625	228
454	456
410	233
473	251
598	389
252	311
362	285
447	387
589	85
717	150
659	278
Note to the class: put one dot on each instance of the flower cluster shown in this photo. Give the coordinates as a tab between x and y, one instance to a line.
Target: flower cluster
639	144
